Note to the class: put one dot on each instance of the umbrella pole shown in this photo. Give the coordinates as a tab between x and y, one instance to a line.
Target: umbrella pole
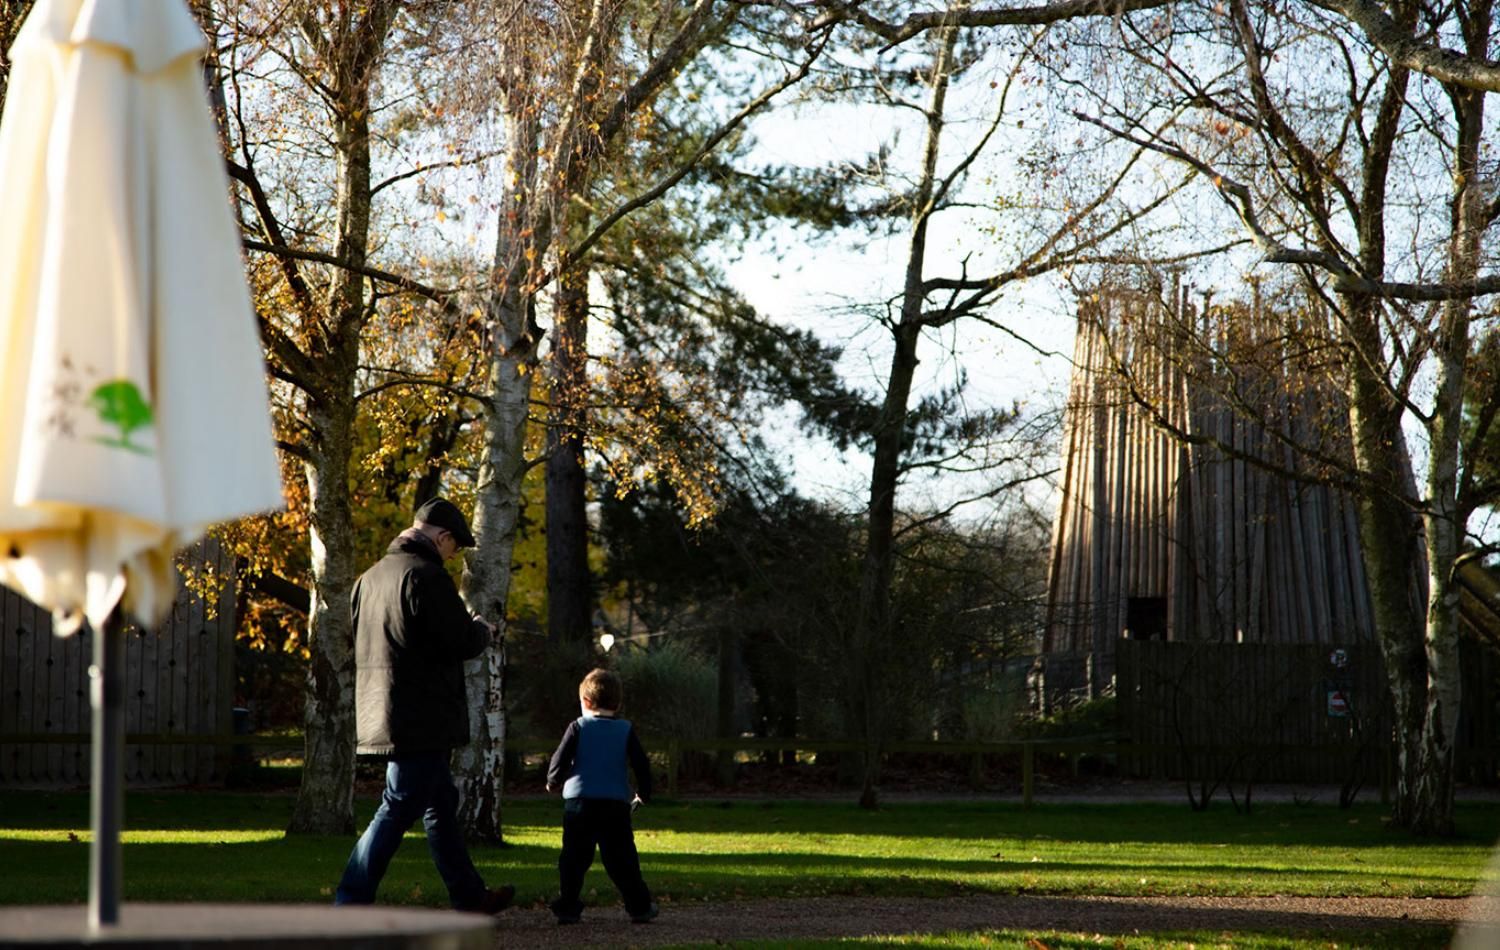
107	798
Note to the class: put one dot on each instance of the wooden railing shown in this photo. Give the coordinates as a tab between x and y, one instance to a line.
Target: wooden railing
1026	749
673	749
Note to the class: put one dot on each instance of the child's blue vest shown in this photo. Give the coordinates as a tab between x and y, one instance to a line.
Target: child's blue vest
599	763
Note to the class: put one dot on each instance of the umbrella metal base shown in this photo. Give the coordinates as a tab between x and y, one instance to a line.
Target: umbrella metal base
248	927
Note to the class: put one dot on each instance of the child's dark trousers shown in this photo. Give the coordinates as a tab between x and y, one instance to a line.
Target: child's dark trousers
603	823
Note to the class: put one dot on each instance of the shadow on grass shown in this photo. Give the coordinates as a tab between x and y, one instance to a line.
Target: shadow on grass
768	850
1115	824
295	870
305	869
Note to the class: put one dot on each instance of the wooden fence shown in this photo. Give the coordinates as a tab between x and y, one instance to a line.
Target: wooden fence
1028	753
1475	762
1267	712
179	684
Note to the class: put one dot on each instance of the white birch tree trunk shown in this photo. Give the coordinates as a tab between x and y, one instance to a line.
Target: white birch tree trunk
1430	800
325	798
514	337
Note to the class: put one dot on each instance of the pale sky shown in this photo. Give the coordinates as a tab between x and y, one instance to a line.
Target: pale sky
814	284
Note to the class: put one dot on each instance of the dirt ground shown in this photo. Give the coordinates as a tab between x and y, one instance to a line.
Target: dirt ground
727	923
724	923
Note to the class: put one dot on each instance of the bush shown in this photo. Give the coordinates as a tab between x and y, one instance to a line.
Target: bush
1094	718
670	690
543	686
992	716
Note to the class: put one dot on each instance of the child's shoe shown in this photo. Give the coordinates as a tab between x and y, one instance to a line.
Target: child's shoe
647	915
566	915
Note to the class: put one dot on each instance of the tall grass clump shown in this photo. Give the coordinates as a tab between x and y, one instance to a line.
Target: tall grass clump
671	689
992	715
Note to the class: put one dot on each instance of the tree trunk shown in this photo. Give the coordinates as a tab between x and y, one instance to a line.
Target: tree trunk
1428	807
874	633
497	505
443	436
724	726
569	600
325	799
1394	553
575	146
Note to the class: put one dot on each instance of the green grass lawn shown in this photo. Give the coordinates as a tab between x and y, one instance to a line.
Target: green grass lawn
220	846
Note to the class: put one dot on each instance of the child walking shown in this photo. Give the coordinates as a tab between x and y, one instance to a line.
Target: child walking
590	766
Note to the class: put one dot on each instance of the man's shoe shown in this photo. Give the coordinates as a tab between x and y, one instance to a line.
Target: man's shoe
568	919
647	915
497	899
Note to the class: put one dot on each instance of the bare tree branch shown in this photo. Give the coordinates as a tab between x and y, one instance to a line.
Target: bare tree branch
709	144
895	33
1441	63
1044	258
285	592
401	378
995	492
444	297
455	163
661	69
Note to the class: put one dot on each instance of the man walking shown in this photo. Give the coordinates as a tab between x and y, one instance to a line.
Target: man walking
412	635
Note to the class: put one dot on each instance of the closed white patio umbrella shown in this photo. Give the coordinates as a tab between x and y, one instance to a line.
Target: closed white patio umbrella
134	400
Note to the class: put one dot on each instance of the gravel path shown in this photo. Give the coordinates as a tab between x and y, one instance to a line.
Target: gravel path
726	922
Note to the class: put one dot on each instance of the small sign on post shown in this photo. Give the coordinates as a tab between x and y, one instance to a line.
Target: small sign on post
1337	685
1338	704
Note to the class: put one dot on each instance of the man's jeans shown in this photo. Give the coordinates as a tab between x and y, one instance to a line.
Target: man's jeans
417	785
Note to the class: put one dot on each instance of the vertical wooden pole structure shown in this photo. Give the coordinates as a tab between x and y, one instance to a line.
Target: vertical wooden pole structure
1189	521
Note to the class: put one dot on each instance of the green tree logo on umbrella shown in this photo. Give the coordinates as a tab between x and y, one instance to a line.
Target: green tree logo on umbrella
120	403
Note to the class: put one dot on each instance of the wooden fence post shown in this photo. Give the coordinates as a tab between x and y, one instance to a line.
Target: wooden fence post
1028	771
1385	773
674	760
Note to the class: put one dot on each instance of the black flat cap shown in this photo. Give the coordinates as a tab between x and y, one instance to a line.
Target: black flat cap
445	514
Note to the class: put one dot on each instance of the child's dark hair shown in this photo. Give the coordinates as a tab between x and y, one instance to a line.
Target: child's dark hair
601	689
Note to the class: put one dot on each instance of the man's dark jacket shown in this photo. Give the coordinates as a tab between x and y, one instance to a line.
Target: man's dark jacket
412	634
